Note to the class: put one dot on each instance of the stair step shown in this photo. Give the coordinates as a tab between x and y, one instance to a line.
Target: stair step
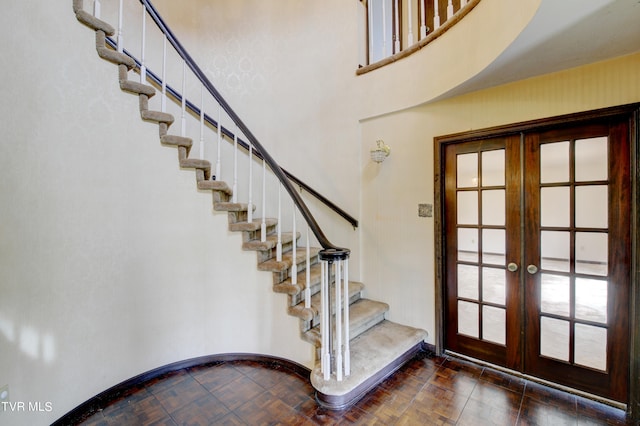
231	207
273	265
375	355
94	23
252	226
313	312
270	243
111	55
175	140
137	88
363	315
215	185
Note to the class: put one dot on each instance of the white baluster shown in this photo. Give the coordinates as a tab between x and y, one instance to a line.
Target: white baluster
325	357
307	286
183	128
143	68
347	346
120	35
338	302
263	225
202	122
219	142
384	28
234	197
450	9
96	8
436	15
396	13
410	20
423	20
279	226
250	202
163	106
294	253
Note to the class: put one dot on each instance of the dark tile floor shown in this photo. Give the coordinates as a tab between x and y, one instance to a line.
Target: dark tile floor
427	391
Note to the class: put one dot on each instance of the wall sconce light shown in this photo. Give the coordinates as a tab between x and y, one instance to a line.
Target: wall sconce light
381	152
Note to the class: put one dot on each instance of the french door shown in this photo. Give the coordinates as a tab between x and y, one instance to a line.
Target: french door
537	253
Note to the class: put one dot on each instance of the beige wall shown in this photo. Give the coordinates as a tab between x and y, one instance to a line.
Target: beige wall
397	245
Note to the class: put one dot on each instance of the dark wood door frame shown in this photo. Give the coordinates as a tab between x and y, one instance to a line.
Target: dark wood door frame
632	113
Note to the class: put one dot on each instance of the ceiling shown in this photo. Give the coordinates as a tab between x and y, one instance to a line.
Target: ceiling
563	34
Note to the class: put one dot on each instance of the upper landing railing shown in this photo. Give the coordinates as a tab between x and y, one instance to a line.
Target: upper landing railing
397	28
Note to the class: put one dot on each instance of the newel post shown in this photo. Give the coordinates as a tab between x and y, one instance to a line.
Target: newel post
334	326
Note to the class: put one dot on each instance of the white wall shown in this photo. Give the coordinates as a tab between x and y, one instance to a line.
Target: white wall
111	262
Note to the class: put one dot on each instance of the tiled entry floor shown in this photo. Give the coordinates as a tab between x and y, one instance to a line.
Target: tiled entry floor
427	391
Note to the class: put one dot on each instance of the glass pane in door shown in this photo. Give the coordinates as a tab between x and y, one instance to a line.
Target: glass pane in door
554	162
467	170
468	207
493	168
554	338
591	159
468	244
555	206
555	250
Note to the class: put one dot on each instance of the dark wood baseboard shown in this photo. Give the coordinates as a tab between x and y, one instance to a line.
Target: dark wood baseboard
342	402
90	406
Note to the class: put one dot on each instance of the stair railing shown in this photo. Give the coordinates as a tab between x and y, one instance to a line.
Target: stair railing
335	351
396	26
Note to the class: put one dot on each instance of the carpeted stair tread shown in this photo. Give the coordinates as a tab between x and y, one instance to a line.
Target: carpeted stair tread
195	163
308	314
215	185
254	225
176	140
274	266
94	23
371	352
363	315
270	243
231	207
287	287
137	88
111	55
156	116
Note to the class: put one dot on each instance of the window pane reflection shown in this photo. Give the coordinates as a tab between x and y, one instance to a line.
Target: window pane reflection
468	282
592	253
555	293
591	299
467	170
493	207
493	285
468	244
555	206
468	321
554	162
494	324
468	207
591	206
493	168
591	159
555	251
591	346
493	246
554	338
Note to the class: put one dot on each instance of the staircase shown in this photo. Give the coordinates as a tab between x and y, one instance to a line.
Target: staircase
378	347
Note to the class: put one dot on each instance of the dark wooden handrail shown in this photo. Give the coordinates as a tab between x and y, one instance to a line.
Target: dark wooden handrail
230	135
285	178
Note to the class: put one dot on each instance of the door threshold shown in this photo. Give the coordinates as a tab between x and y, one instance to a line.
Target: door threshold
538	380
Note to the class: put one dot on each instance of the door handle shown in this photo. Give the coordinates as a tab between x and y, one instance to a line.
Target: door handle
512	267
532	269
